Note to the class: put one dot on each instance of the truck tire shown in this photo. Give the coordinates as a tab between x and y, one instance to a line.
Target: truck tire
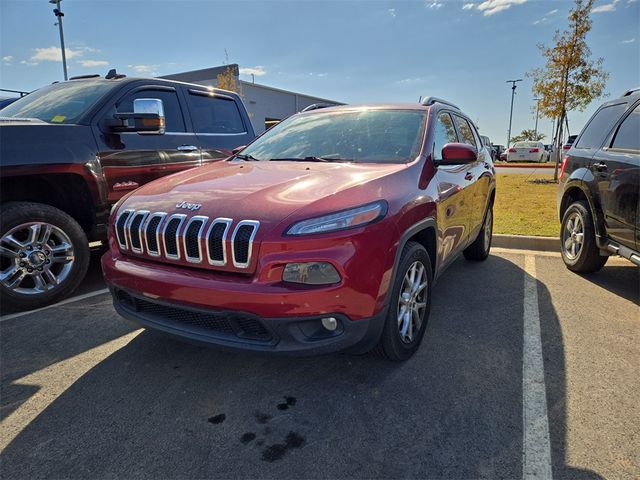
481	246
409	306
578	240
44	255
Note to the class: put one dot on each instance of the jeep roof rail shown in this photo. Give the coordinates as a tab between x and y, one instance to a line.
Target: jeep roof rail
316	106
427	101
81	77
631	91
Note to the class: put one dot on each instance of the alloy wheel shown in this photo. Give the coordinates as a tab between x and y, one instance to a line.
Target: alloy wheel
35	258
488	229
573	236
412	302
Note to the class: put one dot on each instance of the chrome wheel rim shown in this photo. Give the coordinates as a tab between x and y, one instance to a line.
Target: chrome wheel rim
488	229
412	302
35	258
573	236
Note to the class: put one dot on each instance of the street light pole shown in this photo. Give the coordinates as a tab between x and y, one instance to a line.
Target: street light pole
58	13
513	92
537	110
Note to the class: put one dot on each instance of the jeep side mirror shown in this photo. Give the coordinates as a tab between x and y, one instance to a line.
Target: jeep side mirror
238	149
458	154
147	117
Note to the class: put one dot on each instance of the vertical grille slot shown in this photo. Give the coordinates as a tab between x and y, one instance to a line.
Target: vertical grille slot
120	230
242	242
192	236
134	230
170	236
216	241
151	234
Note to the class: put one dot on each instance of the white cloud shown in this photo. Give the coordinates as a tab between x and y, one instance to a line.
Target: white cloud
491	7
468	6
607	7
7	59
54	54
31	64
410	81
631	40
258	71
392	12
144	69
93	63
435	5
555	10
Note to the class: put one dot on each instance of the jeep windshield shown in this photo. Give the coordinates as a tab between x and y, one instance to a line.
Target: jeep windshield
361	136
62	103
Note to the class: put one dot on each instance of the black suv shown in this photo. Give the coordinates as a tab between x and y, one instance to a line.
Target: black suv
598	197
70	150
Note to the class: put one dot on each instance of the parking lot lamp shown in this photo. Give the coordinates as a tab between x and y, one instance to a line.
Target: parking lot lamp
513	93
58	13
535	135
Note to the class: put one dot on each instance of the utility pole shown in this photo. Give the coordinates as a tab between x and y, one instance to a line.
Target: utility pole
537	100
513	93
58	13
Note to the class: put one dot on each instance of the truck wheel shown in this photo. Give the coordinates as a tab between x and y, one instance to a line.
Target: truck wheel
578	240
479	249
409	308
44	255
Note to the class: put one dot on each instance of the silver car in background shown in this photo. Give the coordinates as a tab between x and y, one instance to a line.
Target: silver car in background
527	152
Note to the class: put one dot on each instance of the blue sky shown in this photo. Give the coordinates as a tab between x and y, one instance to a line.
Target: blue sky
351	51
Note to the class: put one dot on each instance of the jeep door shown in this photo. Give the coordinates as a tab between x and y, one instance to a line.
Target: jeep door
455	192
219	122
132	159
617	169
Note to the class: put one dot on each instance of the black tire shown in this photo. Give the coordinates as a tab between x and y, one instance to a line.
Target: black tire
391	346
481	246
587	257
15	214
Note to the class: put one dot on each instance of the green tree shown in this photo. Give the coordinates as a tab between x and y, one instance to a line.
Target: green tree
528	135
570	80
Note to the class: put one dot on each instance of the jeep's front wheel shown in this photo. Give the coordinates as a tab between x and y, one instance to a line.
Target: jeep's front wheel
409	308
44	255
578	240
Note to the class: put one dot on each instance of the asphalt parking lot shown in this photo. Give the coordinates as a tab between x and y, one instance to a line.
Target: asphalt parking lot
525	369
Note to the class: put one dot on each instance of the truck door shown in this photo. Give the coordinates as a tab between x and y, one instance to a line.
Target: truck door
617	170
131	159
219	125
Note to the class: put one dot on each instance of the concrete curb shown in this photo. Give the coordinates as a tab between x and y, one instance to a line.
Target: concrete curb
521	242
528	165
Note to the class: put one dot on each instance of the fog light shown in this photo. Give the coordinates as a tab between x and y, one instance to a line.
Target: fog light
311	273
330	323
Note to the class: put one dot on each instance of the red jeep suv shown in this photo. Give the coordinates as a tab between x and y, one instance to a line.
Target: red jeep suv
326	233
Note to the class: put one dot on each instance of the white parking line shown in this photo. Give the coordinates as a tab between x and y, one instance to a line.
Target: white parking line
63	302
536	448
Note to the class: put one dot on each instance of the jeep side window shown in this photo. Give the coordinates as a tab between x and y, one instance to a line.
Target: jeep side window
596	131
627	137
215	115
465	131
443	133
172	112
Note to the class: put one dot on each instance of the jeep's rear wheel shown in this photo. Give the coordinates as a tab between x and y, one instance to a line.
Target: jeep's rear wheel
409	308
44	255
481	246
578	240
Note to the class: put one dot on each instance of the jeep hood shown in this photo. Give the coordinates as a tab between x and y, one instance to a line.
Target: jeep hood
265	191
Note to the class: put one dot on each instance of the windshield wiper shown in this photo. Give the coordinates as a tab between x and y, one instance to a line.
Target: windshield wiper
248	158
310	159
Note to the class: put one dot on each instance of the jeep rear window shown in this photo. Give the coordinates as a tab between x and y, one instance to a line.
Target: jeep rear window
62	103
363	136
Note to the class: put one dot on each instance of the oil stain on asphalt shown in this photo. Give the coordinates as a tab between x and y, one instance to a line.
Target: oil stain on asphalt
217	419
279	450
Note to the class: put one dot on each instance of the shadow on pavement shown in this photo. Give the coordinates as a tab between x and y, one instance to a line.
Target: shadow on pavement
624	281
159	408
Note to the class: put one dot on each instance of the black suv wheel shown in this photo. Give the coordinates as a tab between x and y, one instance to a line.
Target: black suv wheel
578	241
44	255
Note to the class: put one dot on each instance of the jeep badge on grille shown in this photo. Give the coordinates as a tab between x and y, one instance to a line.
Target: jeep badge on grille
189	206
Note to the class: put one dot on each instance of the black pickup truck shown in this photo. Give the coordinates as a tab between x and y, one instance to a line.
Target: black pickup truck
70	150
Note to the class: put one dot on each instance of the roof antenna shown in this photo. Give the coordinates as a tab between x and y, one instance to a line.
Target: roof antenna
112	74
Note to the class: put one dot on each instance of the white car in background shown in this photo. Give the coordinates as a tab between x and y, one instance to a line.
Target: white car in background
527	152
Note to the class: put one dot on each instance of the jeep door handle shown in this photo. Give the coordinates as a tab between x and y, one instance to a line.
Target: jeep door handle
469	176
600	167
187	148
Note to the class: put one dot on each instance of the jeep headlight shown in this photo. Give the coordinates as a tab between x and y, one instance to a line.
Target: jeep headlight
352	218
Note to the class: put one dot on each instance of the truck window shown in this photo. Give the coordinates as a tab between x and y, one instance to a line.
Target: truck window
627	137
596	131
215	115
172	112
